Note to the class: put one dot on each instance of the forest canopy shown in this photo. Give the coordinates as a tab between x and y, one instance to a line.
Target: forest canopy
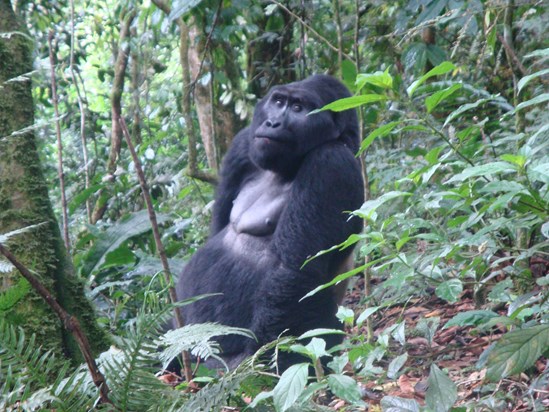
114	120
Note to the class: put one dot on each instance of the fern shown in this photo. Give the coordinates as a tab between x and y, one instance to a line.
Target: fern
130	370
198	339
16	352
29	388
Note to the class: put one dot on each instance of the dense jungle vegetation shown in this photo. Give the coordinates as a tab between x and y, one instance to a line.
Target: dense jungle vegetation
447	309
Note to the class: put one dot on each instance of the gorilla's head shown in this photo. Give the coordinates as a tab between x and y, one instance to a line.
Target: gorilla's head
282	133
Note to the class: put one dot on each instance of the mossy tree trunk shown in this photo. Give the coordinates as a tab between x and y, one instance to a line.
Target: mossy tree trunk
24	201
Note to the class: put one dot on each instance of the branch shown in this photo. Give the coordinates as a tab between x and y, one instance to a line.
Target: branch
157	239
514	61
70	323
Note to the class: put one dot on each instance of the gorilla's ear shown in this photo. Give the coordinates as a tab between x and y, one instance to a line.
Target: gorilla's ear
346	123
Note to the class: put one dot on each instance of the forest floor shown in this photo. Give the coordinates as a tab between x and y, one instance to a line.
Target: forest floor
455	350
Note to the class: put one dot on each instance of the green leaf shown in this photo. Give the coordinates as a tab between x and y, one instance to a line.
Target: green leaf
433	101
368	209
381	131
181	7
538	53
415	57
344	276
432	155
450	290
83	196
442	392
349	74
466	107
396	404
317	348
395	366
132	225
526	79
119	257
366	314
471	318
290	386
320	332
431	10
199	337
482	170
442	68
516	351
345	387
350	103
380	79
542	98
518	160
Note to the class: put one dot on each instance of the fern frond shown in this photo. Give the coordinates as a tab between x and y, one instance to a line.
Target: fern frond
199	339
130	369
33	367
30	388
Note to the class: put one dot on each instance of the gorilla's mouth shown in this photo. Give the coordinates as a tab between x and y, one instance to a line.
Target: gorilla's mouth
273	139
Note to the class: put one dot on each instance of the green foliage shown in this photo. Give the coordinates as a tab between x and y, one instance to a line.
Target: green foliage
456	155
106	248
442	392
30	378
517	351
14	294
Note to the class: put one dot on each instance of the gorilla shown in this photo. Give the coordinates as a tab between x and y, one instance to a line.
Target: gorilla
286	184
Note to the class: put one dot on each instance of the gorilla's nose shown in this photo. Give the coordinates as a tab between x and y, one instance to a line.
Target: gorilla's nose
272	123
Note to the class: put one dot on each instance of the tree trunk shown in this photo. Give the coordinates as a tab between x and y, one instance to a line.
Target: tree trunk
24	201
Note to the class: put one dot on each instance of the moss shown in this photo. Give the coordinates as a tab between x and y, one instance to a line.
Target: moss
24	201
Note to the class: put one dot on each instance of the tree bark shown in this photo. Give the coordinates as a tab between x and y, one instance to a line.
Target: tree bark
24	201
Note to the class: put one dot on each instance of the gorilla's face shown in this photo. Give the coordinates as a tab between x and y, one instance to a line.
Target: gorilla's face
282	132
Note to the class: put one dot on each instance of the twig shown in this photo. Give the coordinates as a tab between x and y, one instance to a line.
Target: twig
512	56
70	323
60	171
157	240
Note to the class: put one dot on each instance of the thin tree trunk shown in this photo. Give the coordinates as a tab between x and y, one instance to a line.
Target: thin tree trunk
186	98
60	172
82	110
120	66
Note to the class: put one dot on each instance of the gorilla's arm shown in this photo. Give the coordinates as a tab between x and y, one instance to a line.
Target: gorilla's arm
328	182
236	166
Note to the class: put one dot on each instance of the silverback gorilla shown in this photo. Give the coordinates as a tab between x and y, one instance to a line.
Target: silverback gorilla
286	183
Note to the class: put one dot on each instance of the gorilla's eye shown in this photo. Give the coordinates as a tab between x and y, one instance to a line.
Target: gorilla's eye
297	107
279	101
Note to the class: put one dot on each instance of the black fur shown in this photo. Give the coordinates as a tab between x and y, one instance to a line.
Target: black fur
296	176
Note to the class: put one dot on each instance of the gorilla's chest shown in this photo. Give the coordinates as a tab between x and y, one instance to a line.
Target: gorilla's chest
258	206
